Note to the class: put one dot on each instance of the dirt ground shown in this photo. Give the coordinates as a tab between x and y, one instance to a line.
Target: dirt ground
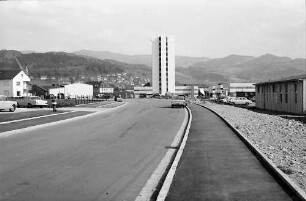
282	140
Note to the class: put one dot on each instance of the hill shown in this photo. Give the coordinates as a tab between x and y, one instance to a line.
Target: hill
181	61
237	68
67	65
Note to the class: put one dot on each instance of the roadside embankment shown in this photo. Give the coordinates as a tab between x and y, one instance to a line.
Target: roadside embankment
282	140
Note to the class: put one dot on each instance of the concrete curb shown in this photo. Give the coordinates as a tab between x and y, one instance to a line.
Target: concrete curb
276	171
18	131
168	181
151	187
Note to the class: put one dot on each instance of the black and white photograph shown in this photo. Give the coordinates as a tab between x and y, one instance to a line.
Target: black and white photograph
152	100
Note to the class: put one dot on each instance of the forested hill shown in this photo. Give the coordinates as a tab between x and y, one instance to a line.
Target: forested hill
67	65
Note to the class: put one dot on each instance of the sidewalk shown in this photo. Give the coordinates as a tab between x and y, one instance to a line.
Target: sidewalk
217	165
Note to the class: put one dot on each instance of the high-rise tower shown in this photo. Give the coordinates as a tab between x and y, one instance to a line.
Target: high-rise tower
163	65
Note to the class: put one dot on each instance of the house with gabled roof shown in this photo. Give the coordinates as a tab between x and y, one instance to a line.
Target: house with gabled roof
14	83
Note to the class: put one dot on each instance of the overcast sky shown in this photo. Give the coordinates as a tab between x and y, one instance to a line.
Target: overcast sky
210	28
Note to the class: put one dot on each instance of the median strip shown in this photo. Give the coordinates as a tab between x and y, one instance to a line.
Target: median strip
26	119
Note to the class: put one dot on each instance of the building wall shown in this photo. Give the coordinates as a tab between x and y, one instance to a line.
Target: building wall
191	91
281	96
6	88
163	65
78	89
106	90
241	87
56	91
304	96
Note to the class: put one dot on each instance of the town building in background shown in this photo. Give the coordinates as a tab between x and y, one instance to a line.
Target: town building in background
163	65
188	91
241	90
72	91
284	95
143	92
14	83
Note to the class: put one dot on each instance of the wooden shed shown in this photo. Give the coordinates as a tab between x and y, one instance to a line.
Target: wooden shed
284	95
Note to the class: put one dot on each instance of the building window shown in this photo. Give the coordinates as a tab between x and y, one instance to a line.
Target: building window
281	98
258	89
273	88
18	93
18	83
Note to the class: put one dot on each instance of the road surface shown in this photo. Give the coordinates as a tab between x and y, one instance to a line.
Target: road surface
109	156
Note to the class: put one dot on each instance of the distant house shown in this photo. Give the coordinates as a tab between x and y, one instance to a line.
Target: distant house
284	95
99	88
14	83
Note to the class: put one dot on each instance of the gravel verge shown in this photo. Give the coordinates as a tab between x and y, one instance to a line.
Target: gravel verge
283	141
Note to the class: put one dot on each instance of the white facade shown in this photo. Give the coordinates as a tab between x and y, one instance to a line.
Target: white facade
191	91
56	91
163	65
15	87
106	90
78	89
241	87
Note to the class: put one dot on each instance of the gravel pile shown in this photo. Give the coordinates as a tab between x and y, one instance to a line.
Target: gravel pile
282	140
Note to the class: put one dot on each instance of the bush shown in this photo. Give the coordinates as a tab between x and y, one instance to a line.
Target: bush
63	102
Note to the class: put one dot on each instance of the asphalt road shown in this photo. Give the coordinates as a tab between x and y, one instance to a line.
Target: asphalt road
216	165
109	156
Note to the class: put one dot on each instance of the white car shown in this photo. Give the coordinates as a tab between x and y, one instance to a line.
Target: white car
178	101
240	101
6	104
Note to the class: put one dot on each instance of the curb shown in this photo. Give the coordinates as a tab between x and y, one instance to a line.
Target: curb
18	131
266	161
156	180
168	181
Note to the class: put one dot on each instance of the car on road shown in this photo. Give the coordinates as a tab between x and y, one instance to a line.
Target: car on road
178	101
6	104
31	101
240	101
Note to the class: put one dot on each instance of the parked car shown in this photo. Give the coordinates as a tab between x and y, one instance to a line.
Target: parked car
6	104
31	101
223	100
240	101
178	101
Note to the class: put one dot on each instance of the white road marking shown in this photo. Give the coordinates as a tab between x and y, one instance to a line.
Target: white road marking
26	119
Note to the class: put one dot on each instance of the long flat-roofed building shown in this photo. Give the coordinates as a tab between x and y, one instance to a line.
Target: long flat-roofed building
163	65
284	95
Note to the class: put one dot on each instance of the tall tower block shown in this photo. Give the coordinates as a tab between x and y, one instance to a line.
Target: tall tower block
163	65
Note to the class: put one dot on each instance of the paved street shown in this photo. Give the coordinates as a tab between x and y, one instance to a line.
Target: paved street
109	156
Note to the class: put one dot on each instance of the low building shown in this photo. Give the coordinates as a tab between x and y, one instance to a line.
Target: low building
284	95
14	83
78	90
142	92
56	92
241	90
190	91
